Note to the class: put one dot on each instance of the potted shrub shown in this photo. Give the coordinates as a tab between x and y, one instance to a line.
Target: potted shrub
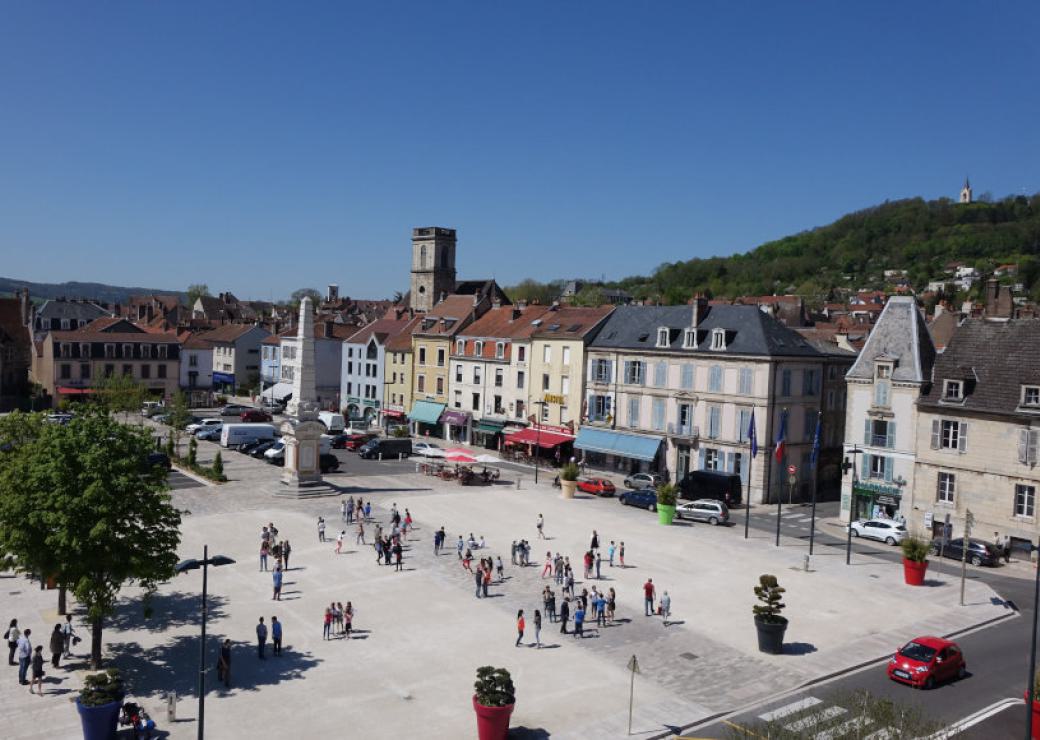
568	479
666	495
99	703
493	701
770	625
915	559
1033	704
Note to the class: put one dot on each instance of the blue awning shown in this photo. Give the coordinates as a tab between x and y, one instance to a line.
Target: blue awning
426	412
226	378
609	442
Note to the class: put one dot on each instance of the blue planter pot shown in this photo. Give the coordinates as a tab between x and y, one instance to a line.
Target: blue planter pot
99	723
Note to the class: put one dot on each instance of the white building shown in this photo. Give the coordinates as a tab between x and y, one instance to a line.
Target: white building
362	367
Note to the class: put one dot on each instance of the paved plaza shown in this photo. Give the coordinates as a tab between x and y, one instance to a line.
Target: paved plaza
422	632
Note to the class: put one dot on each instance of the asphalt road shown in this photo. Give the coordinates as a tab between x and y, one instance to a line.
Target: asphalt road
179	481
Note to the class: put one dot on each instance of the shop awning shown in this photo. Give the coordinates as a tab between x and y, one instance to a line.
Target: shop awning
67	391
455	418
609	442
426	412
392	413
278	391
225	378
541	438
489	427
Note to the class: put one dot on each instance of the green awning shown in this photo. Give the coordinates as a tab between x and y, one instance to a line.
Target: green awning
426	412
489	427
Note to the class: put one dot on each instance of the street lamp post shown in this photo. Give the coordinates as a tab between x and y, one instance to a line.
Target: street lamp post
182	567
852	500
1031	695
538	436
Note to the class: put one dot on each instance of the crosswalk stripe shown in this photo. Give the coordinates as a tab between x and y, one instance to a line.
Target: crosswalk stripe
882	734
788	709
845	727
814	719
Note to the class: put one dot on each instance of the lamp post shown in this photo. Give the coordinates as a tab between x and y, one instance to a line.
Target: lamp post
1031	694
852	499
538	435
182	567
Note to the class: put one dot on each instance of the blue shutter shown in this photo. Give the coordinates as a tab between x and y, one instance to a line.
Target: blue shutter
729	462
888	469
864	472
891	434
866	431
744	460
700	459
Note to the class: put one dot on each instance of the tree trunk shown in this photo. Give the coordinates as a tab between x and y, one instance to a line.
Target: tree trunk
95	644
62	608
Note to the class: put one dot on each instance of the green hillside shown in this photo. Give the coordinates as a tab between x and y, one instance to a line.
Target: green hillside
915	235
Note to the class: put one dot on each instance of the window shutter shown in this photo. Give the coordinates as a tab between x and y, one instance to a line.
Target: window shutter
962	441
864	472
1034	442
744	477
888	469
729	462
891	435
866	431
700	459
1023	446
936	434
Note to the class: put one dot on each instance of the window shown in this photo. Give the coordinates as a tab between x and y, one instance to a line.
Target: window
476	375
686	376
65	324
953	390
460	347
715	379
565	386
146	351
564	415
161	351
1028	440
566	356
877	466
110	370
657	414
440	357
661	374
160	371
478	348
882	371
128	351
633	411
785	383
879	433
711	459
881	394
1031	395
84	371
718	339
809	383
440	386
714	422
500	350
110	351
520	379
128	370
498	405
547	354
420	384
66	349
599	408
946	485
738	464
350	368
1025	500
193	360
458	373
146	372
745	381
521	354
685	419
662	337
498	377
808	424
601	371
66	371
743	423
689	339
635	372
84	351
475	402
422	355
545	412
949	435
545	381
519	409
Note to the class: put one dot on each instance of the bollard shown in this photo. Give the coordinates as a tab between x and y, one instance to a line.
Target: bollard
417	468
805	564
518	482
171	706
380	457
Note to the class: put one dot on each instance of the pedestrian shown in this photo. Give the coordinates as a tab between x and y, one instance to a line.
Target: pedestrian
24	655
224	663
273	530
587	563
286	549
621	553
486	570
69	634
1006	548
466	561
326	628
648	596
601	610
37	670
541	525
478	580
339	541
276	552
666	607
321	529
261	637
368	510
343	510
437	542
360	533
565	613
265	536
579	622
12	635
610	552
537	629
594	545
388	550
408	521
519	627
599	561
264	549
547	570
552	606
276	580
348	620
57	645
337	616
499	568
398	555
276	636
611	603
512	552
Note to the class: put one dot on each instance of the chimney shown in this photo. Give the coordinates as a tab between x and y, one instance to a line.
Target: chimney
700	310
25	306
333	295
992	290
329	334
496	303
517	310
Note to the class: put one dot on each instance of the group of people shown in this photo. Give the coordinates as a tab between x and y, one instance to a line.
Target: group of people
339	620
261	639
350	507
271	546
23	654
520	553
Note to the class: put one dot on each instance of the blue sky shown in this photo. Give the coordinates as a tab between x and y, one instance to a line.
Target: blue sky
265	146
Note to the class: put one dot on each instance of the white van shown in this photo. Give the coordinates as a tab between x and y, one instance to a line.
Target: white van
276	453
332	421
236	435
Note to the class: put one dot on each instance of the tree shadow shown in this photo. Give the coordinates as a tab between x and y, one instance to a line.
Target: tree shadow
168	610
174	665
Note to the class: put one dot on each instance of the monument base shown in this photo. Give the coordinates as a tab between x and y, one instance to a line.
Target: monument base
304	490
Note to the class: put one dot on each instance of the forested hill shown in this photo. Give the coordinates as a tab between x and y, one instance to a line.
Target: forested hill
916	235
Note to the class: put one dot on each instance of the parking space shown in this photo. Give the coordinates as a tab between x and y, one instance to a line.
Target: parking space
179	481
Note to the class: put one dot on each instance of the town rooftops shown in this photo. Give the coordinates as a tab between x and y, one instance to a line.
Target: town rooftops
507	322
448	316
571	322
197	341
113	337
228	333
383	329
402	340
900	334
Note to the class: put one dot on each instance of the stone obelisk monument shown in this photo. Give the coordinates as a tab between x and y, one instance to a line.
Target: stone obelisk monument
301	429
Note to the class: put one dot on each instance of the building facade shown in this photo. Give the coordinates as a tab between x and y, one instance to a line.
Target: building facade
363	380
196	369
397	373
236	355
433	266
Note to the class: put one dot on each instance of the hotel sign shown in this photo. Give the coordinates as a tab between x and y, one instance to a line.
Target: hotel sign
553	398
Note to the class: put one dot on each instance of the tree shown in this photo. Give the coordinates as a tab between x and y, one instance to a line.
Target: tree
298	295
196	291
180	415
590	295
120	394
81	503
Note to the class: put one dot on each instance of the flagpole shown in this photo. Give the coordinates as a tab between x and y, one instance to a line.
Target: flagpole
816	461
779	494
751	456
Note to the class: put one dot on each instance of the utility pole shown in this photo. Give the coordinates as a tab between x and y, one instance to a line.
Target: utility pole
633	665
969	522
1031	694
846	467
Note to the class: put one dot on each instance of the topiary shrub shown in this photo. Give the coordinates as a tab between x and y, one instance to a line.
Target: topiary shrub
569	472
915	549
494	687
770	598
666	494
218	466
102	688
193	451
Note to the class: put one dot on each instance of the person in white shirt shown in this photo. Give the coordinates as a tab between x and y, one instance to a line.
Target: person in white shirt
68	633
24	655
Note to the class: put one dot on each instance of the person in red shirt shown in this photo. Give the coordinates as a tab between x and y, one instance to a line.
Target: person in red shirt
519	627
649	593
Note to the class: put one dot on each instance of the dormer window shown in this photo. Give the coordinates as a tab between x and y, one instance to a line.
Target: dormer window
689	339
84	350
110	351
460	347
146	351
500	350
718	339
128	351
478	348
953	390
662	337
883	371
1031	396
161	351
66	349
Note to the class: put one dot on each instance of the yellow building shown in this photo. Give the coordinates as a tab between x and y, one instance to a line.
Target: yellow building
397	373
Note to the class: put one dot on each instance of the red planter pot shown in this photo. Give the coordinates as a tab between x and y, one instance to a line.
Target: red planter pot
1036	716
492	722
913	572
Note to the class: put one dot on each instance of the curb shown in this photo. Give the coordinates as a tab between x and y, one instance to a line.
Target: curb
193	476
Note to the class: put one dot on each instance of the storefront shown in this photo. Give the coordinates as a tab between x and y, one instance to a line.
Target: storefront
875	501
553	443
393	417
425	417
224	382
488	434
456	426
619	452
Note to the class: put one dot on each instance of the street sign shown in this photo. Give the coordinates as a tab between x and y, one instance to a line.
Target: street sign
792	469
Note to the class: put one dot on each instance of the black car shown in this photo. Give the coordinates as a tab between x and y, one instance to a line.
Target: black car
644	499
328	463
979	552
258	451
248	447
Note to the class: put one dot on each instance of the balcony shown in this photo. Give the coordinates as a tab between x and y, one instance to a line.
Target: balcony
882	440
685	431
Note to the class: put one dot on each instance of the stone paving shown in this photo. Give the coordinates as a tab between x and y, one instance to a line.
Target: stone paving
424	632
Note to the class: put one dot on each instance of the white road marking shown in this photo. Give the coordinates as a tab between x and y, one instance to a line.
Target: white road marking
788	709
814	719
845	727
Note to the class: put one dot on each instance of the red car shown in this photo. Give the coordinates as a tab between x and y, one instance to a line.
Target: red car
350	441
925	661
597	486
255	415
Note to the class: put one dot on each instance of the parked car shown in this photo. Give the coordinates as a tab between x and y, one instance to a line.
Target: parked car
255	415
271	406
883	530
158	460
248	447
597	486
724	487
150	408
925	661
351	441
235	435
644	499
388	448
639	481
210	433
275	454
703	510
203	424
328	463
333	422
979	552
423	448
234	409
161	418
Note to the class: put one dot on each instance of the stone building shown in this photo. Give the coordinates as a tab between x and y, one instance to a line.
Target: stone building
433	266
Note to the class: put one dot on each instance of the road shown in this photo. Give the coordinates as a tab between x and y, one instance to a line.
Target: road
997	656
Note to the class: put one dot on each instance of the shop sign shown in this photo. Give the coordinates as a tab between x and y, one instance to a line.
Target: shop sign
877	488
553	398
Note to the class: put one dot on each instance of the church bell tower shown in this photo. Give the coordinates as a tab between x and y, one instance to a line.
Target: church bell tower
966	192
433	266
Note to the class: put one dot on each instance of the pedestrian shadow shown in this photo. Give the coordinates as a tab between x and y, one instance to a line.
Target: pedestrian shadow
798	648
673	622
527	733
163	611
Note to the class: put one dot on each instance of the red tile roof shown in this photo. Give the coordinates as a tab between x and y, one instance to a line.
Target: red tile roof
574	322
402	340
507	322
228	333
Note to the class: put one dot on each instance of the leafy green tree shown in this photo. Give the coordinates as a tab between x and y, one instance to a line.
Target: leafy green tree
298	295
180	416
196	291
590	295
80	502
120	394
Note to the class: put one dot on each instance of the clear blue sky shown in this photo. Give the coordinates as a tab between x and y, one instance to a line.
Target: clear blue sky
265	146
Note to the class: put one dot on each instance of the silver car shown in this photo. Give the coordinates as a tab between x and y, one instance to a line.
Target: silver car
707	510
884	530
639	481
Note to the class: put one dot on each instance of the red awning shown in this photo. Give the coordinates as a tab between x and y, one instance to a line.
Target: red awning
542	438
392	413
73	391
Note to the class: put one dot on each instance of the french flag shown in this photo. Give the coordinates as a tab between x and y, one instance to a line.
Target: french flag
781	438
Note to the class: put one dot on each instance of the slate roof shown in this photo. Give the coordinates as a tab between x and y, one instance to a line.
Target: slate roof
995	359
899	333
749	331
115	337
70	309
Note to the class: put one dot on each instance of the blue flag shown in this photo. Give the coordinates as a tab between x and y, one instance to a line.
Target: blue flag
816	442
752	435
